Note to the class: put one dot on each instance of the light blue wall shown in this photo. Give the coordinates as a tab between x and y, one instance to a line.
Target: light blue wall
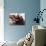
43	6
29	7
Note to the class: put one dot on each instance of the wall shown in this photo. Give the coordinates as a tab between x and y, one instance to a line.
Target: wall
43	6
29	7
1	21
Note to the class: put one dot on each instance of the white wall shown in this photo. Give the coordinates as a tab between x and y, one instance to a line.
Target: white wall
1	21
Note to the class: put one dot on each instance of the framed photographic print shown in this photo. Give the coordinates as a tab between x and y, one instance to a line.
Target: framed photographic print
17	18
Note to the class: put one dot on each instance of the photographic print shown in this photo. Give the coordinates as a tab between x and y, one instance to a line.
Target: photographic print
17	18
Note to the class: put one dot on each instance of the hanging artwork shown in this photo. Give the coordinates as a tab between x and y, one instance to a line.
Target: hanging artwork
17	18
